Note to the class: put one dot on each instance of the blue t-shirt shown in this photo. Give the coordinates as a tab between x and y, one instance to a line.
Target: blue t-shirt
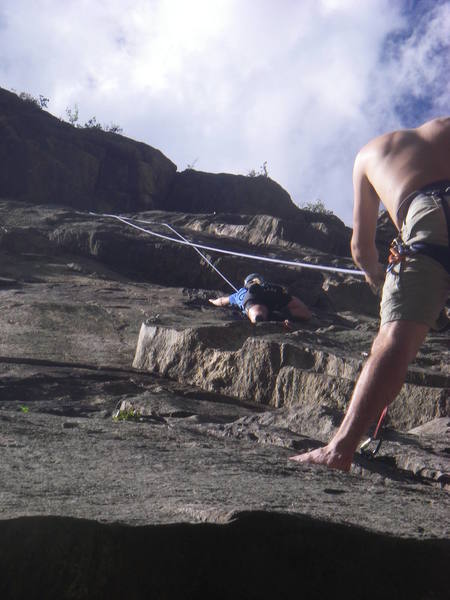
237	299
273	296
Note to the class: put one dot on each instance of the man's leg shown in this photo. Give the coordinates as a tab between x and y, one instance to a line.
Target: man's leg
297	309
379	383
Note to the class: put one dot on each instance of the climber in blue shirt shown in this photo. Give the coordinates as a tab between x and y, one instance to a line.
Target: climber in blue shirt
258	299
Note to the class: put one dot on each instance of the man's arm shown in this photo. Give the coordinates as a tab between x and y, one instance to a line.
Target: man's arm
365	216
223	301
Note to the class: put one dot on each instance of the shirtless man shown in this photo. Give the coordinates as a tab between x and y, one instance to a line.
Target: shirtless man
409	171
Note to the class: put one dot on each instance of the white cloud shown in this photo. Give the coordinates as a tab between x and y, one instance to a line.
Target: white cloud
232	83
417	69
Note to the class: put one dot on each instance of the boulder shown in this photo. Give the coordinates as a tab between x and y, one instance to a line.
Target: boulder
264	365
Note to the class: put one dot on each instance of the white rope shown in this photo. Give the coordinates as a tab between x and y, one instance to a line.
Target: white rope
180	236
222	251
202	255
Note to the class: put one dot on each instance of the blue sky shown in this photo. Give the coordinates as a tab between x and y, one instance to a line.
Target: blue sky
230	84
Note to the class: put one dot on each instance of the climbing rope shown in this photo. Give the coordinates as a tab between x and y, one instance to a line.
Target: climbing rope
129	222
202	255
183	240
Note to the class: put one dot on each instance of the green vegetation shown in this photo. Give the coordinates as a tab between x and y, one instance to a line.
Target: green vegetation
24	409
190	166
71	113
318	207
41	101
128	414
263	171
73	118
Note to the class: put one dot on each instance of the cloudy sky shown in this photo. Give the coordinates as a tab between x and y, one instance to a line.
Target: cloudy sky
227	85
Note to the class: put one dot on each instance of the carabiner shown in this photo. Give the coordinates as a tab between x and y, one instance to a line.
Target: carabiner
366	451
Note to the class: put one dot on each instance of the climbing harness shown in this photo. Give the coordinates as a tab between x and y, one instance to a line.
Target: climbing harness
376	438
399	250
439	253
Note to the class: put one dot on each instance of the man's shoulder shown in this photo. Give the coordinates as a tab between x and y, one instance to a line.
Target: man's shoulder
439	125
239	292
361	161
374	145
365	153
376	150
436	129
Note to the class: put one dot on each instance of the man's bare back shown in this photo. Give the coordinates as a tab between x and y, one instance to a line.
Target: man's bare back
401	162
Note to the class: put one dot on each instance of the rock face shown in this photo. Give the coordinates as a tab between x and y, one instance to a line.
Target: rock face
277	369
140	425
45	160
198	192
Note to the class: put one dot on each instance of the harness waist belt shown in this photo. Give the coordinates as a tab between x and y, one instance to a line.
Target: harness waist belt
439	253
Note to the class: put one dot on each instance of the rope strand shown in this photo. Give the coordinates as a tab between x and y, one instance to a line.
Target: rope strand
202	255
229	252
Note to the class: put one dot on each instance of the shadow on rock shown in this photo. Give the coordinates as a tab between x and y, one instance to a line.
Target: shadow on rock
252	555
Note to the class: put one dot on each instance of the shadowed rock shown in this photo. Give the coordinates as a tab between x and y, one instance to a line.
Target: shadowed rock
84	559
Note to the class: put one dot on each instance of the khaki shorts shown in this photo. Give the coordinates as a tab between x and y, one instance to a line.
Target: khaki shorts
417	288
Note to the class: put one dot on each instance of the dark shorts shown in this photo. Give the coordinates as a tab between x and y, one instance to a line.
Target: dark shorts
274	299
